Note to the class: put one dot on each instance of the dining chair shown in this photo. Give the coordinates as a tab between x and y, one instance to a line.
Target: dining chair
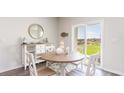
80	63
90	71
52	65
38	72
76	65
49	49
39	49
89	67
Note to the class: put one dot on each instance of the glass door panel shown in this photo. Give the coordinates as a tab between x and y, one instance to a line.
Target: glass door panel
80	38
87	40
93	34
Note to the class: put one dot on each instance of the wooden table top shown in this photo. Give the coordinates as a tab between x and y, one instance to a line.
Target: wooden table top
62	58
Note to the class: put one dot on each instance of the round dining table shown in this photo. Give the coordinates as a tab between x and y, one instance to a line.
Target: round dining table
62	59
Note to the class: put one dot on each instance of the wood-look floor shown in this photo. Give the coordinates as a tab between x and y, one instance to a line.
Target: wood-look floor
22	72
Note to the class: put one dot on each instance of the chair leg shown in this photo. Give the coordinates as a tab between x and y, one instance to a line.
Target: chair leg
47	64
62	67
25	67
82	67
94	70
88	70
76	66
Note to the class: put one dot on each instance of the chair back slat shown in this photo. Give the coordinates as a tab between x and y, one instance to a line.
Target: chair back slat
50	49
32	65
91	65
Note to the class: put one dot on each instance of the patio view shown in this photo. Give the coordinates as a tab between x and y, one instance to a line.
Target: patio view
89	40
93	46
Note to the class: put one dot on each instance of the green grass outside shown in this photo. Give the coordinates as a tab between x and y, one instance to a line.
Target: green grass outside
92	48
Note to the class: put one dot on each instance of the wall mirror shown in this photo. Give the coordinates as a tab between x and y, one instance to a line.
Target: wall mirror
36	31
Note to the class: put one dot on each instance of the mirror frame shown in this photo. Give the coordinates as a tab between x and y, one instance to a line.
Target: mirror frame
29	31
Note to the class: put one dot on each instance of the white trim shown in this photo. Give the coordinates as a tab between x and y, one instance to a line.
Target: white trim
113	71
10	68
85	24
85	52
102	42
72	34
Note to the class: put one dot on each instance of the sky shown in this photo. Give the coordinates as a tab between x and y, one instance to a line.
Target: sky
93	31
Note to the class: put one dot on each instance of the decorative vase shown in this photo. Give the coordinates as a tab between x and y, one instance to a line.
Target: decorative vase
62	44
67	50
59	51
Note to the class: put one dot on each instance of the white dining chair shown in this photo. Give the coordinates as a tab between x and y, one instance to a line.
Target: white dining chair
52	65
38	72
79	64
89	67
90	71
39	49
76	65
49	49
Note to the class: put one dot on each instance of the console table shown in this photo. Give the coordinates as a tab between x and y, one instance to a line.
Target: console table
35	48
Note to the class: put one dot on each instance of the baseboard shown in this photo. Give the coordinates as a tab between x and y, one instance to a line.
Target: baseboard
106	69
11	68
113	71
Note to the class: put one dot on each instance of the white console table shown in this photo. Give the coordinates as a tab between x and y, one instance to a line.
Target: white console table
36	49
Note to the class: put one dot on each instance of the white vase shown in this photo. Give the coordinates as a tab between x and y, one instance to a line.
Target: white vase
59	51
67	50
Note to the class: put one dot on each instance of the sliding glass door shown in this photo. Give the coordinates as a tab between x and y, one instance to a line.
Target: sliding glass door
79	39
86	39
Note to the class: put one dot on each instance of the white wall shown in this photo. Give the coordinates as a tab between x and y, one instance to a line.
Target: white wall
11	32
113	35
113	56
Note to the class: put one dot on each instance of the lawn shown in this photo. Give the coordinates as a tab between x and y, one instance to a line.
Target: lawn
92	48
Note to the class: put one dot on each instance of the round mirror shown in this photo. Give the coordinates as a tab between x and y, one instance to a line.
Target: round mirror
36	31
